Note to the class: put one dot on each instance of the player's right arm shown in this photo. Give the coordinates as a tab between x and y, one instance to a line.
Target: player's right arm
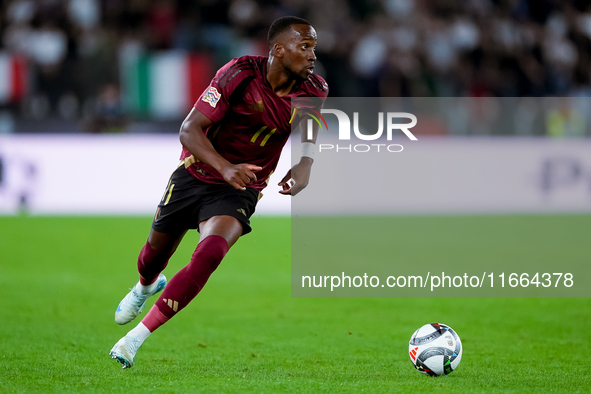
193	138
298	176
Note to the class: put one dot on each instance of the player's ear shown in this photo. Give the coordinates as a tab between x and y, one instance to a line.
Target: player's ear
278	50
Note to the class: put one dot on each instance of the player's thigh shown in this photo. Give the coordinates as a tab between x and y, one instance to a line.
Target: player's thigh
227	213
225	226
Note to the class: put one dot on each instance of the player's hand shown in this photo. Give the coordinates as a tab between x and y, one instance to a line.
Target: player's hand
240	175
297	178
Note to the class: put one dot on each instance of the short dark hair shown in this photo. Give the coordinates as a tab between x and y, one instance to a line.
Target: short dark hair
282	24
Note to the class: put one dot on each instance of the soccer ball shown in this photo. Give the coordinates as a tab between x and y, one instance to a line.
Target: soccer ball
435	349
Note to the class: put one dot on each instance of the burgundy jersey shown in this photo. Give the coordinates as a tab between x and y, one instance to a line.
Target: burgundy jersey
250	122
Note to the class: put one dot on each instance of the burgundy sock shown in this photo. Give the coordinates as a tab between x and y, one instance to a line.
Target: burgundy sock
154	319
188	282
150	264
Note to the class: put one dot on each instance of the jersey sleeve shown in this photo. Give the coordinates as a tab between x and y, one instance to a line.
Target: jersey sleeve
323	93
314	94
215	100
318	90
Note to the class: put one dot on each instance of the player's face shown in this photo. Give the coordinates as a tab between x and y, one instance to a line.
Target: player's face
300	50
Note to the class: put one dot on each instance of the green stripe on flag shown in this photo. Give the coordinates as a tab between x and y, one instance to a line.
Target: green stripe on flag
143	88
134	83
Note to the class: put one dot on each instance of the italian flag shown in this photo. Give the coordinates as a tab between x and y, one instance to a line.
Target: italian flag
13	77
164	85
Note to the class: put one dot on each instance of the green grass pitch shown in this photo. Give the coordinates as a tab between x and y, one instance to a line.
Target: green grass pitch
61	279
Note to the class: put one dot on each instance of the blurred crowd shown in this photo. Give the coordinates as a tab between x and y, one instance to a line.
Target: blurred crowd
419	48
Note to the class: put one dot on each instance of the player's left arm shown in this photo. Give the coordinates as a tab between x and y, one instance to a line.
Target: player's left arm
298	176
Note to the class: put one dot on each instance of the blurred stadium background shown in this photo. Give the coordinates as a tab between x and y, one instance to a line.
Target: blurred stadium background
70	69
94	66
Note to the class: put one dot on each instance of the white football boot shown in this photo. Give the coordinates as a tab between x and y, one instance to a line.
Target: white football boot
124	351
134	302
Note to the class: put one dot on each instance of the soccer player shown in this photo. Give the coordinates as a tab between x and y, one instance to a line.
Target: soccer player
232	140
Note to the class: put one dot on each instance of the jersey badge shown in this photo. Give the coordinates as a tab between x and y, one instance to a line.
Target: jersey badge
212	96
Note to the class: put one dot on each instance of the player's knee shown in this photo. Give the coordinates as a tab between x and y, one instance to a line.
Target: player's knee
213	246
159	247
152	259
210	252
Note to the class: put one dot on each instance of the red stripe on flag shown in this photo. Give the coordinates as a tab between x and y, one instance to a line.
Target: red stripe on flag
19	80
200	74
